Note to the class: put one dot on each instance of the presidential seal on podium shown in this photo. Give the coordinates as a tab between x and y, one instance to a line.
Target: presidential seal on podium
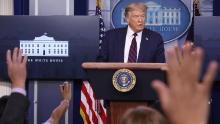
124	80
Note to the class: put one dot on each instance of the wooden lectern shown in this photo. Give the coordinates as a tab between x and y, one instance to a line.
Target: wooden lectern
101	74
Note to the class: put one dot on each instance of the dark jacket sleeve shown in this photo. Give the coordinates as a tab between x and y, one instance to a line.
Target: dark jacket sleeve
15	110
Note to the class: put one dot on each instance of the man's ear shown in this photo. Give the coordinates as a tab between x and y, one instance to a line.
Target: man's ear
127	20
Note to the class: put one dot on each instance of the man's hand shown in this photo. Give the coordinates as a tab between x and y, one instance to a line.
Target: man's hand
185	99
66	91
16	68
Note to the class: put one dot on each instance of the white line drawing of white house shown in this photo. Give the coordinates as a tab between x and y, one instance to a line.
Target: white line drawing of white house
157	15
44	46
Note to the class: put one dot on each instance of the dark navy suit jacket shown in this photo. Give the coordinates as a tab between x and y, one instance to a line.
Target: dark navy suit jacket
16	109
151	47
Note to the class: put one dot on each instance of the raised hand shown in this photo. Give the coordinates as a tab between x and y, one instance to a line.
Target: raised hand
66	91
16	68
185	99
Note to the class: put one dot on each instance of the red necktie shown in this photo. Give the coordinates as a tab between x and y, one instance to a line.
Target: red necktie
132	57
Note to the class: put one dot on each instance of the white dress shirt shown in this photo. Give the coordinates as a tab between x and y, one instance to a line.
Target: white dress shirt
128	40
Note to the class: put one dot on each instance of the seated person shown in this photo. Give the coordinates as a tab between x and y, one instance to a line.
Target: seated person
143	115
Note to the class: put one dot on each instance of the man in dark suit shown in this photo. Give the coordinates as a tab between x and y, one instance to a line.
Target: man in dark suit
149	46
16	105
133	43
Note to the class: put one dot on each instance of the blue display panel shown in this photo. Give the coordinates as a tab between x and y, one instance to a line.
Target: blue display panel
55	45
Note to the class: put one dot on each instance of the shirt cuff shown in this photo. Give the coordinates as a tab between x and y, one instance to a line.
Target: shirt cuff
19	90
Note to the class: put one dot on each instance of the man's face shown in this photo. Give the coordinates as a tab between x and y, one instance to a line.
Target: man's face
136	20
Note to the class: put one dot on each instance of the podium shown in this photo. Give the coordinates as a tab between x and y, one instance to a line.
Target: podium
100	76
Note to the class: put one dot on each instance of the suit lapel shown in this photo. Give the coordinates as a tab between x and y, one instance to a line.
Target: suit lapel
144	42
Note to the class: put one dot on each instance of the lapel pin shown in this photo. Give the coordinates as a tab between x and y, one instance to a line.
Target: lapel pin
146	38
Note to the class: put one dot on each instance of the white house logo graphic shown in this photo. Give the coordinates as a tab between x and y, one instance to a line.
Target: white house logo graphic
170	18
158	15
44	46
